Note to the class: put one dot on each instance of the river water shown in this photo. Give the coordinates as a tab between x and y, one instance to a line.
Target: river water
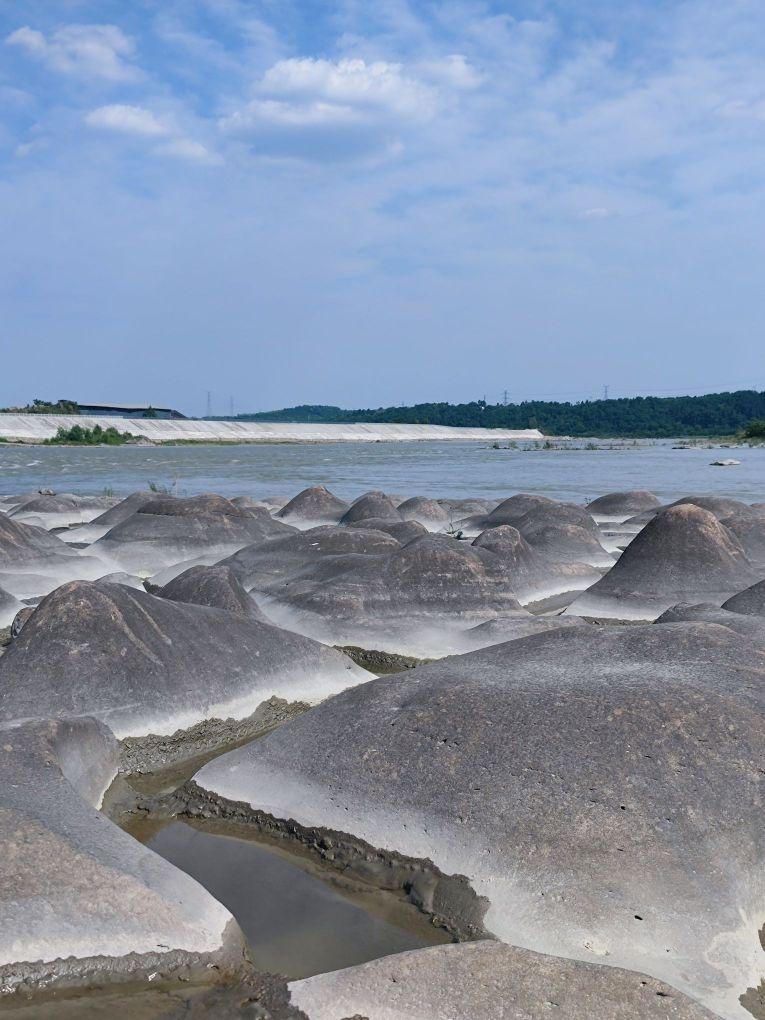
579	472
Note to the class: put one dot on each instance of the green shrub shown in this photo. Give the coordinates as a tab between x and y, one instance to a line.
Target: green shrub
755	429
78	435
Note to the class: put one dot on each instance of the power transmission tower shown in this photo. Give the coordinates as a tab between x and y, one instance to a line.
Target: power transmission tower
209	403
605	392
231	406
504	397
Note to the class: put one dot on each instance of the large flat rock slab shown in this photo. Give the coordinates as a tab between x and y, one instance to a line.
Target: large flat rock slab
489	981
600	788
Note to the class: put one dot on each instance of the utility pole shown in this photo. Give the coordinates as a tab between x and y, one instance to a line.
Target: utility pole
209	403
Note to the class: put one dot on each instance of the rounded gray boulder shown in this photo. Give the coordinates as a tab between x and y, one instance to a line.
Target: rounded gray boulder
599	788
148	665
683	555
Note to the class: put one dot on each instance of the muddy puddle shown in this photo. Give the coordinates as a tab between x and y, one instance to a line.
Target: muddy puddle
296	923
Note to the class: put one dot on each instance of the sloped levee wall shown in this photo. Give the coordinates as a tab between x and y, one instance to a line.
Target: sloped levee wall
37	427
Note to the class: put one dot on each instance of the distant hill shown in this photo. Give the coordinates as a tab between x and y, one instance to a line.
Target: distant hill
714	414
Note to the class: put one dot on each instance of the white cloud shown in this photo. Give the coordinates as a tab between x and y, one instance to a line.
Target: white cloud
322	109
190	150
455	71
598	212
97	51
130	120
378	85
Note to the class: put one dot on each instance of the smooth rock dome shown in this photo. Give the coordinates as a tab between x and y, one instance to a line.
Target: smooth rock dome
145	665
623	504
313	506
215	586
371	504
751	601
167	530
532	576
683	555
426	512
486	981
600	788
413	600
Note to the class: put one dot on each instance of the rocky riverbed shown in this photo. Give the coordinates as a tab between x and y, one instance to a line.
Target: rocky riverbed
327	737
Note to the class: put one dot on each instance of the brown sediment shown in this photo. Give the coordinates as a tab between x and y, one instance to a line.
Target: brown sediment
253	996
74	973
381	663
155	754
449	901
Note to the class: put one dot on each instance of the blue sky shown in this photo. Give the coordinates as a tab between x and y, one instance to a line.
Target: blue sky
370	204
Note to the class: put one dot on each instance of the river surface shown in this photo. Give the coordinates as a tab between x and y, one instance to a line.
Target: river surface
433	469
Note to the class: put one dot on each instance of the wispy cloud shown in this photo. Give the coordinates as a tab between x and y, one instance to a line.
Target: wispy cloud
129	120
91	51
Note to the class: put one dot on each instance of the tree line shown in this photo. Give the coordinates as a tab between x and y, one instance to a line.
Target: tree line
713	414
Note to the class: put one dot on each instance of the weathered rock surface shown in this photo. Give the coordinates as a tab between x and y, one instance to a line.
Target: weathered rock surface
683	555
9	606
312	507
751	627
166	530
427	512
600	788
32	561
148	665
60	511
416	600
402	531
371	504
618	506
217	587
749	529
488	981
330	549
564	533
532	576
81	902
104	522
751	601
720	506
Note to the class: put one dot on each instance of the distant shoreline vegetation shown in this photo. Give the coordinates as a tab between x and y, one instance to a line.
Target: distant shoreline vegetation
713	414
78	435
45	407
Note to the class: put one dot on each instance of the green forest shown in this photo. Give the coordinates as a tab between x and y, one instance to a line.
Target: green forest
714	414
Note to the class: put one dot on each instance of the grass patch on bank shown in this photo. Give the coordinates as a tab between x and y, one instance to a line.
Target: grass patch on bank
78	435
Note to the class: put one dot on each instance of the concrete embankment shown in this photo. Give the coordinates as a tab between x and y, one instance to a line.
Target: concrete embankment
34	428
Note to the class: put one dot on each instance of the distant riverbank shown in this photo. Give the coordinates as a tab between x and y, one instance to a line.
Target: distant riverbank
36	428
